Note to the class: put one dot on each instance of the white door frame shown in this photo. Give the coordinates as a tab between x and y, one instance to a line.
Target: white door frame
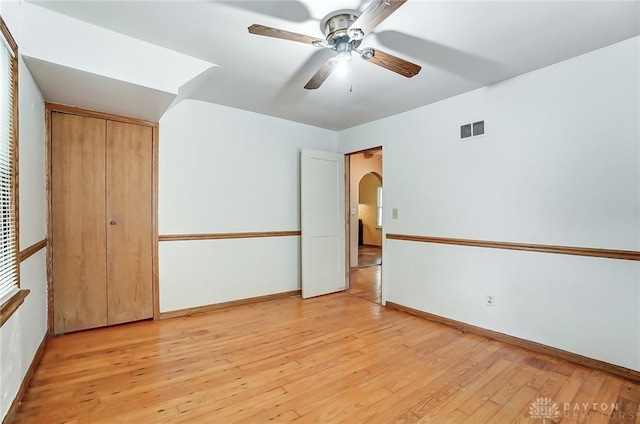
348	217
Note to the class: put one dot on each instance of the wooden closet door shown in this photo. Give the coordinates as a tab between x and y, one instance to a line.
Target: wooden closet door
78	222
129	216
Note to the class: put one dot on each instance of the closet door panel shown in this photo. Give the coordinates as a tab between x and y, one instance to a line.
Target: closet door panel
129	222
78	222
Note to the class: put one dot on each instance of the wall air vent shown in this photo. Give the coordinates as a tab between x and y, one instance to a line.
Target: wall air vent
471	130
465	131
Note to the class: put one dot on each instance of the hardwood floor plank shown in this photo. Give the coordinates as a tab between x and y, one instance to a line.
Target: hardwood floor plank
440	393
365	283
416	390
508	401
517	407
627	411
486	392
456	395
336	358
507	391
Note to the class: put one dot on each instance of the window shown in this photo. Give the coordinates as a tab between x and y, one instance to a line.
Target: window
379	207
9	281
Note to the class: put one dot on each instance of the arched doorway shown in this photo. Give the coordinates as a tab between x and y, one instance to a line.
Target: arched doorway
370	220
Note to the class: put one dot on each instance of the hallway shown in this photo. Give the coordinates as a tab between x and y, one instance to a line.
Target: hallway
369	255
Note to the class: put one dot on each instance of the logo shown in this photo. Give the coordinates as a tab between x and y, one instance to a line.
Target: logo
543	408
546	409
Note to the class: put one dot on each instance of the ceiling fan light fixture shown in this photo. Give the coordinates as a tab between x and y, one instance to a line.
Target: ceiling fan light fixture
343	57
342	67
343	48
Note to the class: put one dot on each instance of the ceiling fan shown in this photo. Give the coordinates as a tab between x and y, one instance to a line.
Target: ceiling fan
344	31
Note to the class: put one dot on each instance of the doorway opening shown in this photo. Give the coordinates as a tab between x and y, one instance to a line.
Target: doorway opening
370	220
366	232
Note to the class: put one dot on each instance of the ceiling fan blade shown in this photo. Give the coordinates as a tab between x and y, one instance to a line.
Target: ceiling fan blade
392	63
372	16
285	35
322	74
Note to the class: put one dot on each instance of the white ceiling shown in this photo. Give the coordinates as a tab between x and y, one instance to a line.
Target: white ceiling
461	46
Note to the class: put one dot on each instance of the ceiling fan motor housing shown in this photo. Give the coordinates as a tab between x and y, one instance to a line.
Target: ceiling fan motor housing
336	24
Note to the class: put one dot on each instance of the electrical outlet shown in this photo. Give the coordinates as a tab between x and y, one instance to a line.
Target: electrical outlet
394	213
491	300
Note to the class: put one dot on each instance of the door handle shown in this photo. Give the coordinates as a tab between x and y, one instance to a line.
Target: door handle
112	222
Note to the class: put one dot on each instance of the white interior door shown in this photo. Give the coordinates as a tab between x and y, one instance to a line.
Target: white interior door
322	222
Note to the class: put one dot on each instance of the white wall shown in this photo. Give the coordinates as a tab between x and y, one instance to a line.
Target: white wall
358	168
91	67
86	47
226	170
21	335
560	165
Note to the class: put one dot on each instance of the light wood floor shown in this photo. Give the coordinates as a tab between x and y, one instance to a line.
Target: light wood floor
369	255
365	283
331	359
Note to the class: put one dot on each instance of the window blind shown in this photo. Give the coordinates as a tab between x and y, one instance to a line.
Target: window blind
8	244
